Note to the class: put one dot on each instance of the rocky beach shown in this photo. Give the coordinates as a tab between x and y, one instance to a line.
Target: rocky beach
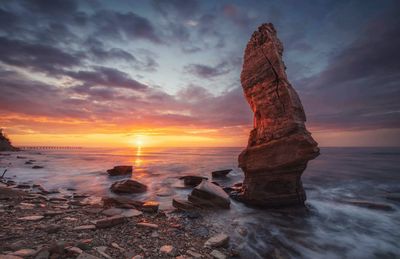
40	224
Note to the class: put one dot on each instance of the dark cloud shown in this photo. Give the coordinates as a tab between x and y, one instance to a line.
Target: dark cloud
105	76
359	89
129	25
205	71
51	7
37	57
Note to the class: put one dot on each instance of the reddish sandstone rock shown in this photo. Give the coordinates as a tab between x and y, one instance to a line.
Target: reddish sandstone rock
279	146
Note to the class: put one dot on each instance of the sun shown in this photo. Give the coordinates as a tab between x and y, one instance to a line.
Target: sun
138	141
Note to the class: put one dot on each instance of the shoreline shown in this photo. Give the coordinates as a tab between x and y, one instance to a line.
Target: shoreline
38	224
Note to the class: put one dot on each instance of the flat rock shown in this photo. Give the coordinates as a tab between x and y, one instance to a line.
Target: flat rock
10	257
53	213
120	170
207	195
220	173
121	202
129	213
24	252
192	180
168	250
128	186
110	221
147	225
31	218
183	204
112	211
217	254
85	227
217	241
150	206
194	254
87	256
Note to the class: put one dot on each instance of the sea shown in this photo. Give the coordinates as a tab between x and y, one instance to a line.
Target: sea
334	224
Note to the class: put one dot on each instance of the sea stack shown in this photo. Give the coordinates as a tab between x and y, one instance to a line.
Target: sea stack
279	146
5	143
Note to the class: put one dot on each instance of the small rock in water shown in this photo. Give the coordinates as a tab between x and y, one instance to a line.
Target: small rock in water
192	180
32	218
37	167
120	202
110	221
150	206
120	170
217	254
168	250
128	186
217	241
220	173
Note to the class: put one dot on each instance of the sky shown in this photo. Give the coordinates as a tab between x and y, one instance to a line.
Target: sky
167	73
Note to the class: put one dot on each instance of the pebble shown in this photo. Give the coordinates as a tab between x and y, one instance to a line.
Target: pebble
217	240
138	257
115	245
32	218
148	225
217	254
75	250
193	254
85	227
168	250
87	256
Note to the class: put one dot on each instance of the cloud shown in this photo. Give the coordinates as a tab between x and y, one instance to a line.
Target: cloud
116	25
359	89
205	71
36	56
105	76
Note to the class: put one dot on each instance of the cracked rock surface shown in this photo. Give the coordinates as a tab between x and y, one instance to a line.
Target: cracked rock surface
279	146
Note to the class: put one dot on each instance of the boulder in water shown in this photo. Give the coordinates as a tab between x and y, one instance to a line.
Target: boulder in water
207	194
192	180
120	170
128	186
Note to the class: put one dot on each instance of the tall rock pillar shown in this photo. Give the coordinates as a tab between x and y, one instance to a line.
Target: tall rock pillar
279	146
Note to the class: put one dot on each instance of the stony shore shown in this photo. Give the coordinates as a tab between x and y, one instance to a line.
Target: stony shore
37	224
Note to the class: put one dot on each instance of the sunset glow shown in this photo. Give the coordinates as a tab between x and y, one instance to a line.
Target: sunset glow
173	78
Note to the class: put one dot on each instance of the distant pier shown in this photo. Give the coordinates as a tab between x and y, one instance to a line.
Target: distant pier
47	147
